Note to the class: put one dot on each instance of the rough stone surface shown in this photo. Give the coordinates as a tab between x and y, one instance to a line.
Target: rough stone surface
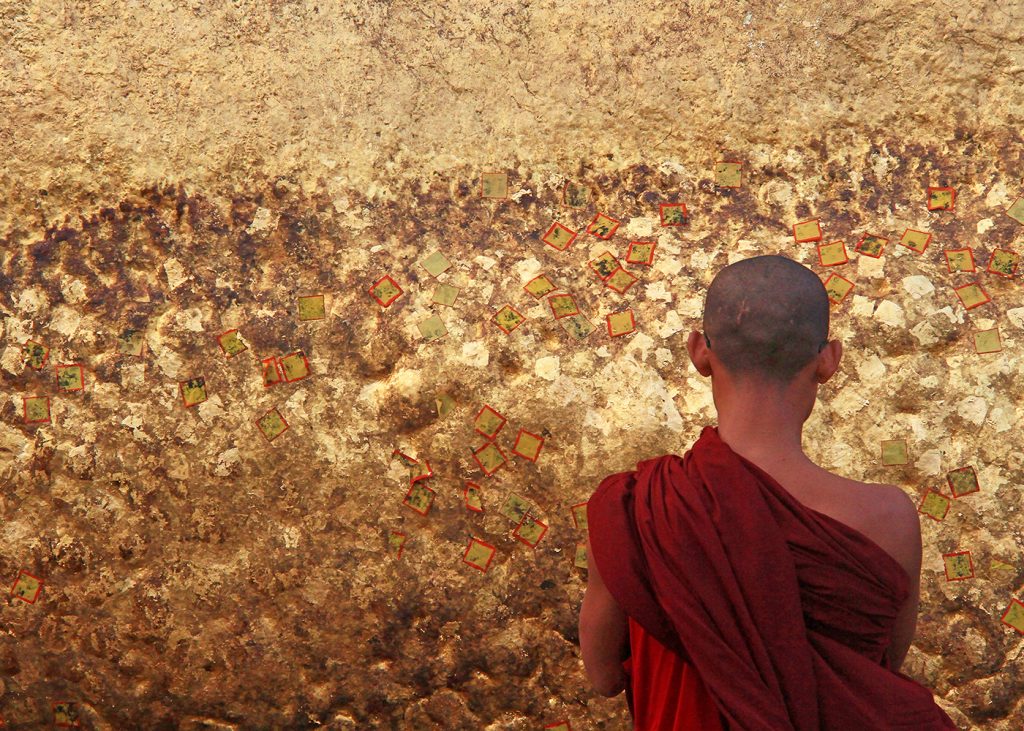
186	168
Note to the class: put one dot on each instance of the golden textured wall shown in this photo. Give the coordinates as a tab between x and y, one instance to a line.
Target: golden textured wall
182	169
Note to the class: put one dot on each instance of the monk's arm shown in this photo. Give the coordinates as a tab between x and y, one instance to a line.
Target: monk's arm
906	530
604	634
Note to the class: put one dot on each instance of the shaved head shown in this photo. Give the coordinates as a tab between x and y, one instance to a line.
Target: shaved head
766	317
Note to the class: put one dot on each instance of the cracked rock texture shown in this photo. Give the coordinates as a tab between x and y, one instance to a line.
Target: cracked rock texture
181	169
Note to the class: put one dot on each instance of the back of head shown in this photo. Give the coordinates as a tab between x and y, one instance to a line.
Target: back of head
766	317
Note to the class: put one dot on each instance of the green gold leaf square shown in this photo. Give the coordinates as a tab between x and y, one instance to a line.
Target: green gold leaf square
727	174
672	215
837	288
490	457
514	508
445	294
432	328
579	515
436	264
640	253
559	237
807	231
130	342
620	280
231	343
987	341
444	404
972	295
489	422
580	559
960	260
1014	615
562	305
576	195
1016	210
528	445
474	499
27	588
312	307
871	245
494	185
832	254
396	541
578	326
894	452
1004	262
420	498
940	199
620	323
37	409
602	226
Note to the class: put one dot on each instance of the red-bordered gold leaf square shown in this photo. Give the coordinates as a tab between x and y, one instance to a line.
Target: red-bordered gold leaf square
935	505
871	245
620	281
958	565
530	530
528	445
641	252
972	295
941	199
479	554
508	318
603	226
385	290
559	237
806	231
673	214
621	323
70	378
488	422
490	458
960	260
27	587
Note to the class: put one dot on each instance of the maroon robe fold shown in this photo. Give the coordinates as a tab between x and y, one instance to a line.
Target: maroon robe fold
784	612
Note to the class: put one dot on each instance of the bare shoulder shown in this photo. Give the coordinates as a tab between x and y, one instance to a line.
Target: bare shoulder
884	513
892	521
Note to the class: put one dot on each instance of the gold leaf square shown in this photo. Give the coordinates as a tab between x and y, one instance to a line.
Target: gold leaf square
894	452
272	424
312	307
727	174
436	264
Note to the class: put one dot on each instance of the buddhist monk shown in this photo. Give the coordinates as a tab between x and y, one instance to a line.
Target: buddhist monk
742	586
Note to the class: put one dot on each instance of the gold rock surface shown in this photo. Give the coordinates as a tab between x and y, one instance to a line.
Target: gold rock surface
171	171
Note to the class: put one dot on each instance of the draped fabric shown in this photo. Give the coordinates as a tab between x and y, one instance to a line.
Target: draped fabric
784	612
666	694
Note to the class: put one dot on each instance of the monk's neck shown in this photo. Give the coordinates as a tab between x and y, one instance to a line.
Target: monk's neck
765	428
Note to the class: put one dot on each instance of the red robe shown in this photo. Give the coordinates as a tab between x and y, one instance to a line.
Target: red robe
784	613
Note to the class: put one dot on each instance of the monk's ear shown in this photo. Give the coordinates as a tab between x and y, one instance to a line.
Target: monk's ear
700	356
828	361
